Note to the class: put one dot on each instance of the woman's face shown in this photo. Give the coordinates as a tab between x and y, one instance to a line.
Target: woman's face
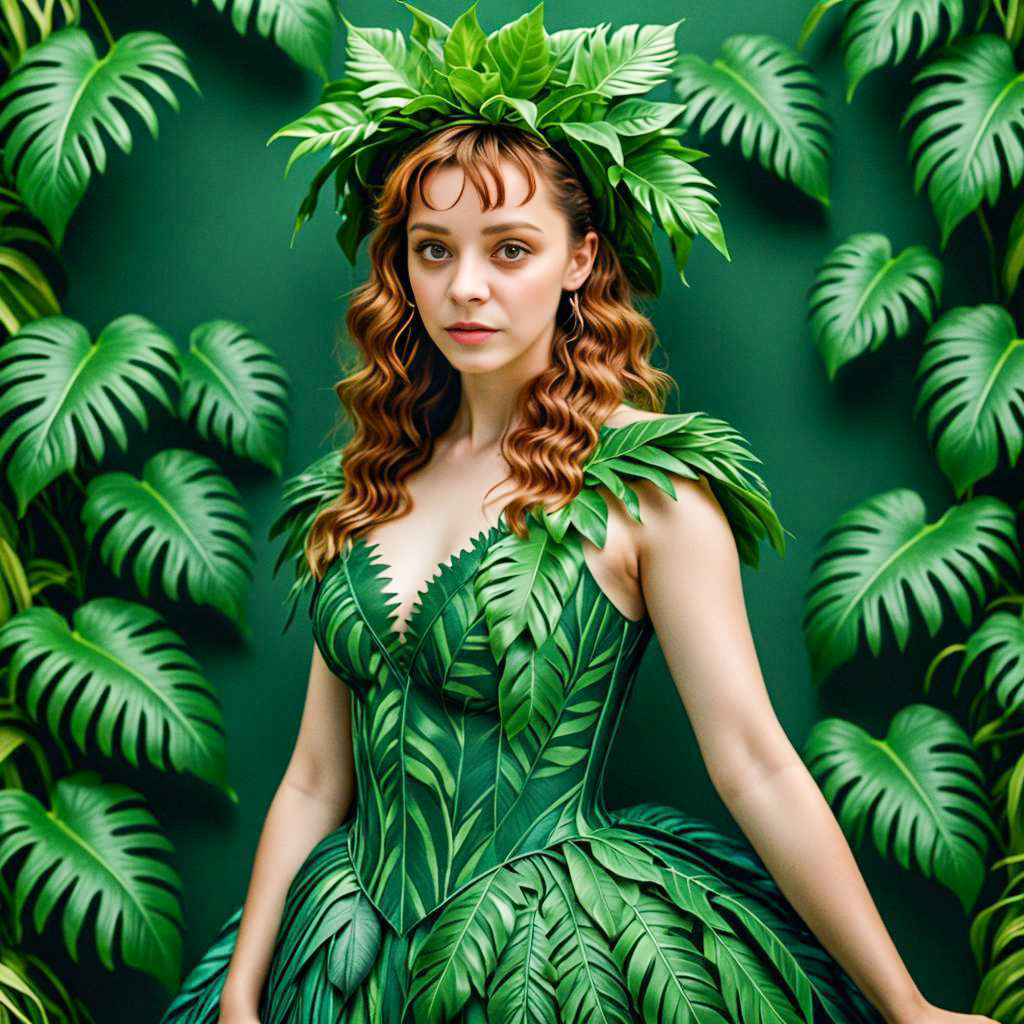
505	269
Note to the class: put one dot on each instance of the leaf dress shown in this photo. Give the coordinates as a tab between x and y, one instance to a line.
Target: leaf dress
479	876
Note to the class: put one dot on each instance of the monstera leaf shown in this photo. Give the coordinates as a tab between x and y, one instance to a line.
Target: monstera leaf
304	495
973	114
25	293
877	32
761	88
60	387
186	509
998	643
59	98
119	664
920	788
83	847
237	392
972	383
881	549
862	292
301	28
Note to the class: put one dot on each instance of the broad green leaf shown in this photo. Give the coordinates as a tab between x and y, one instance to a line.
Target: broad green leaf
60	388
59	98
519	53
301	28
972	129
81	848
187	511
235	390
971	381
879	32
760	88
997	646
881	553
119	671
862	295
920	789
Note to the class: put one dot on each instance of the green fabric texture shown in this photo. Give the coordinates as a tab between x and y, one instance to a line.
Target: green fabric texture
480	876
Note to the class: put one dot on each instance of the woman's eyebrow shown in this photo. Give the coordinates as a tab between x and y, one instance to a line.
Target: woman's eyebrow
494	228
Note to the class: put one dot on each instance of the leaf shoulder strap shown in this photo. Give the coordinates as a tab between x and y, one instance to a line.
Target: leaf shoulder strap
524	583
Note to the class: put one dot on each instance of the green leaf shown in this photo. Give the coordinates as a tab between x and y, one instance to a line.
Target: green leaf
80	849
877	32
998	645
237	392
972	384
465	41
974	120
761	88
862	295
881	550
119	668
462	945
636	58
379	62
920	788
186	509
519	52
301	28
523	584
522	988
60	388
59	98
303	495
674	192
337	124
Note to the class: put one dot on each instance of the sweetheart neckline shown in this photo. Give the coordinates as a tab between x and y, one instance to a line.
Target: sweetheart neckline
400	644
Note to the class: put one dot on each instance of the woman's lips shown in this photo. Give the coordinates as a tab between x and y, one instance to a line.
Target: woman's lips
469	336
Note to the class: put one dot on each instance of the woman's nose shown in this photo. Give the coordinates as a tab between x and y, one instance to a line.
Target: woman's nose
469	280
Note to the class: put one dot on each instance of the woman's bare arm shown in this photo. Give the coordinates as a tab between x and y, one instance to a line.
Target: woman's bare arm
311	801
690	577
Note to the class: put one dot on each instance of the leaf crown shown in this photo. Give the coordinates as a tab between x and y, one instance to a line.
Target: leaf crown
576	91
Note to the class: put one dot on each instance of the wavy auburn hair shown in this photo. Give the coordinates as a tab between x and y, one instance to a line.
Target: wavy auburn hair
405	392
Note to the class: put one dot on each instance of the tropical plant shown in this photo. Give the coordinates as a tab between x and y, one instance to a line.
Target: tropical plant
942	792
106	673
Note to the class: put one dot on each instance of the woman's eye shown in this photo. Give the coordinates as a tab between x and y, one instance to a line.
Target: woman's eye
512	245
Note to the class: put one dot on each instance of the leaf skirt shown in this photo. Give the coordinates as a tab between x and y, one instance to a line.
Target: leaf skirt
654	918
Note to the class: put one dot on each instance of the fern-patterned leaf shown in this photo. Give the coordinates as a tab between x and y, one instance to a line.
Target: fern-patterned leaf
883	547
120	665
668	976
186	509
862	296
88	848
59	98
920	789
301	28
523	584
235	390
972	383
973	124
522	990
761	89
61	387
464	942
690	444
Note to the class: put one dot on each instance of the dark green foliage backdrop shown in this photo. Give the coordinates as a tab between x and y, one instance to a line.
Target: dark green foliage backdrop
196	225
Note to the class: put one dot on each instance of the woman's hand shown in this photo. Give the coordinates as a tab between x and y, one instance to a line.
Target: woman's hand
931	1014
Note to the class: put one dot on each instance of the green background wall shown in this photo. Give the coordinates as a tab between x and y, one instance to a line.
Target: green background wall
197	224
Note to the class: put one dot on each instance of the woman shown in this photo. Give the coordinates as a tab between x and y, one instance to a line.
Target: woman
439	847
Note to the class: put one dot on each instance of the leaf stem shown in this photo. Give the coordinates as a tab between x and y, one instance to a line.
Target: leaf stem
103	24
992	262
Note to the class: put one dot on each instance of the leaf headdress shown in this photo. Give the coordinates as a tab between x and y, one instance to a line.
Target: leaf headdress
576	91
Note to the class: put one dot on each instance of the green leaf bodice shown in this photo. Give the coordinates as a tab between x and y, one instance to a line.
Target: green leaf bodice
481	876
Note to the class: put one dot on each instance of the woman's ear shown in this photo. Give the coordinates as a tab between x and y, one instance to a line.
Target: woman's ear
582	261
